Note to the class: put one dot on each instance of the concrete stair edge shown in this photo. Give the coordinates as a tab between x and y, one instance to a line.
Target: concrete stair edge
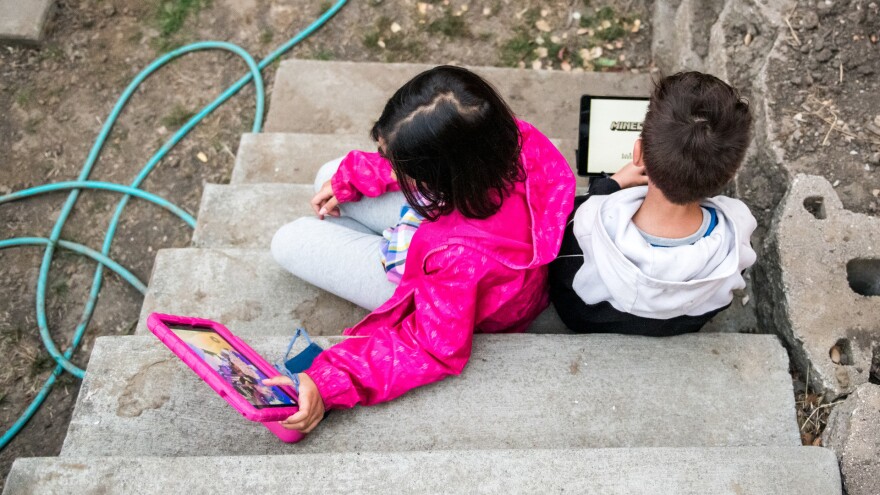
743	471
593	391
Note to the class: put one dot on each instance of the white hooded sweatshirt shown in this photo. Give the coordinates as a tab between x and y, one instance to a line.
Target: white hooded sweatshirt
660	282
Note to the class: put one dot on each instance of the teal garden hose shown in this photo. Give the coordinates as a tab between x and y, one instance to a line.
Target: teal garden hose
102	258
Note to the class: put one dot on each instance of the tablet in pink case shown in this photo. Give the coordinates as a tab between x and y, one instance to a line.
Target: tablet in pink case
230	367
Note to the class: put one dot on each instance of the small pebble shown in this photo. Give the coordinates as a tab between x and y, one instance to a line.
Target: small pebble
836	183
487	11
835	355
745	299
395	27
202	157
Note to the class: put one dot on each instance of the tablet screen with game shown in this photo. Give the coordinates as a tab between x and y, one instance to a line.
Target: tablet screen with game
233	367
230	367
609	127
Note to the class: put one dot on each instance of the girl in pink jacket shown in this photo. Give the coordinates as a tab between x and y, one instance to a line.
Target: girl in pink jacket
492	196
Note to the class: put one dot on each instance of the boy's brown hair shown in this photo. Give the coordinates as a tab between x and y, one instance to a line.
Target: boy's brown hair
695	135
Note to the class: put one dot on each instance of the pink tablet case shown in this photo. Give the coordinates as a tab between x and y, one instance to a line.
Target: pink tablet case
269	417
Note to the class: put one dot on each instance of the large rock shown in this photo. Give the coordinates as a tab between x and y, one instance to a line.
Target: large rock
658	471
517	392
853	433
824	272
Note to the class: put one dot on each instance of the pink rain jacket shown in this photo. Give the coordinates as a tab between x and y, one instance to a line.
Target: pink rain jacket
462	275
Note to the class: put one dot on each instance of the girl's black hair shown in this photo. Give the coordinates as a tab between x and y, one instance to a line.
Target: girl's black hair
452	142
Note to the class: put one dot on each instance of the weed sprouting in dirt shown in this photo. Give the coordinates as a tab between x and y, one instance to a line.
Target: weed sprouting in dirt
177	117
324	54
450	25
266	36
393	47
171	16
24	97
516	49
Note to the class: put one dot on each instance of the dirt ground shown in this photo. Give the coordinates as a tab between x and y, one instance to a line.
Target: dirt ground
53	100
828	94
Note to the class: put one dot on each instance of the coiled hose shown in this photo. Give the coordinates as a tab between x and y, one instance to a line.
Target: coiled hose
102	258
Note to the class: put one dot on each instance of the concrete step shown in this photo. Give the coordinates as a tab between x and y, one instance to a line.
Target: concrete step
347	97
296	158
246	290
250	293
24	22
741	471
517	392
248	215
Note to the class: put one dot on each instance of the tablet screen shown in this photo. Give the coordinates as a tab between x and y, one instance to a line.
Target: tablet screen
614	125
234	367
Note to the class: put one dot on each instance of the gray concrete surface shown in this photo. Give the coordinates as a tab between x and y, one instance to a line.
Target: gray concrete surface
517	392
248	215
347	97
696	471
295	158
853	433
244	289
23	21
816	306
291	157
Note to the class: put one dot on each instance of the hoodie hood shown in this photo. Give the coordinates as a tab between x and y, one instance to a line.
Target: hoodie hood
634	277
527	230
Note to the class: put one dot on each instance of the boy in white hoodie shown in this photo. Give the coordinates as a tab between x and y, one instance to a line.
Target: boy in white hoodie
648	252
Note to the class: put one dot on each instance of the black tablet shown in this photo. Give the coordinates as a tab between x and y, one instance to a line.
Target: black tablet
609	127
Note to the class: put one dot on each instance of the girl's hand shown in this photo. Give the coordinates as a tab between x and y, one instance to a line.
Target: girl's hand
311	405
325	202
631	175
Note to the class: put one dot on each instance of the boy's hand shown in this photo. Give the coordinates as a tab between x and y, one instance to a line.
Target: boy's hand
325	202
630	175
311	405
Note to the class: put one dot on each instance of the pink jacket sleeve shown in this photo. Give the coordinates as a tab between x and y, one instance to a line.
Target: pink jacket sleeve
362	174
431	342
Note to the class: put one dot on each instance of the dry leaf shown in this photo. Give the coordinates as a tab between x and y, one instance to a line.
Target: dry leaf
423	8
395	27
536	65
202	157
582	31
636	25
544	12
381	43
542	25
541	51
565	66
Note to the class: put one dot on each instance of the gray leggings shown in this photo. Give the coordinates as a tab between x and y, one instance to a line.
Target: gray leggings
342	255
